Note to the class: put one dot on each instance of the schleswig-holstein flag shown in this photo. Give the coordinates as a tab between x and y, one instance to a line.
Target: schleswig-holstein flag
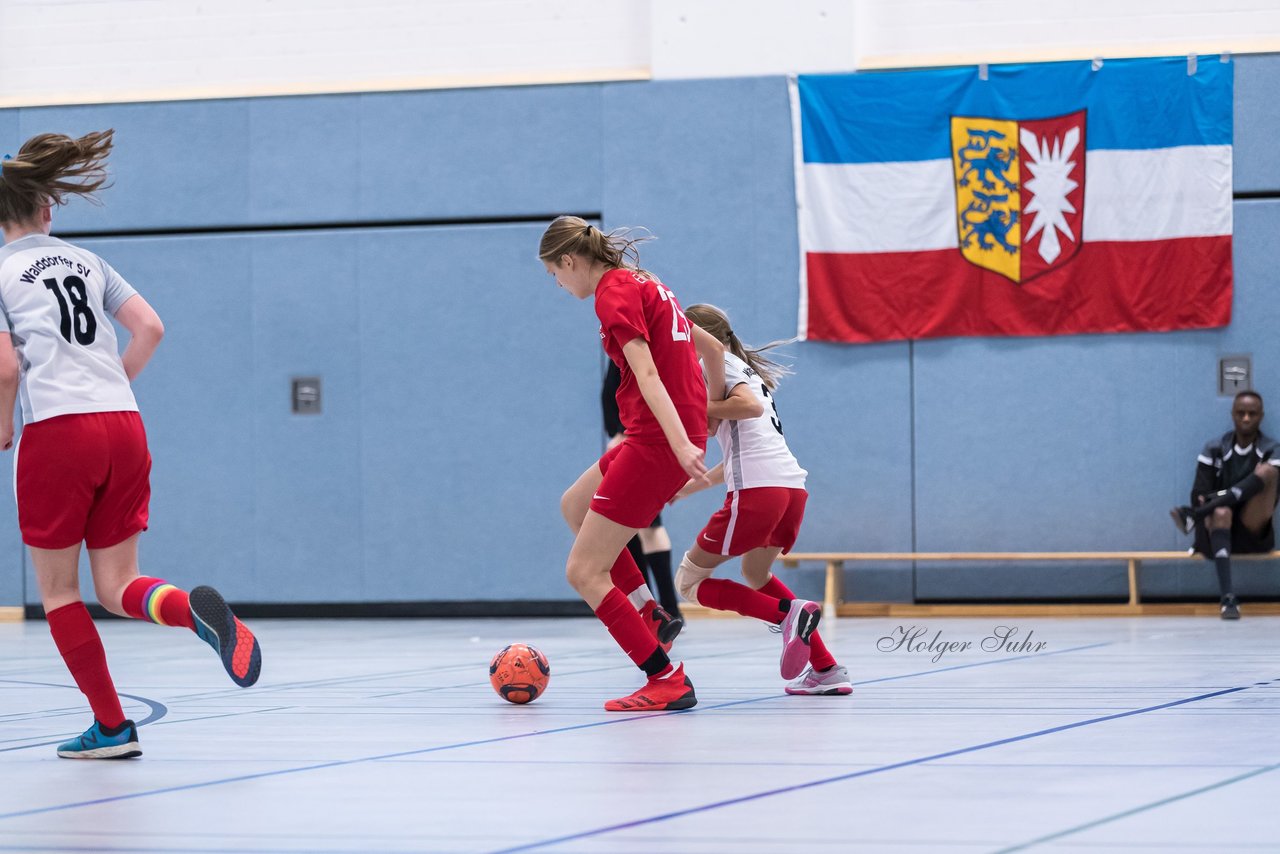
1044	200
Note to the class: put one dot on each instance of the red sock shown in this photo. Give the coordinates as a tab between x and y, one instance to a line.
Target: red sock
627	628
819	656
77	639
725	595
625	575
158	602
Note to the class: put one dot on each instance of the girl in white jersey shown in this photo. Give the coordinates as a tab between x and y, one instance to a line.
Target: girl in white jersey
81	467
761	516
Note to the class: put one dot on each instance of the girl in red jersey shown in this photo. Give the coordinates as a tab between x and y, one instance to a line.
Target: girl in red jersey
761	515
82	469
662	402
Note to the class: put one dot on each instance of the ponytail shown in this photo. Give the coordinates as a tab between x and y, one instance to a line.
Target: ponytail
48	168
716	322
572	235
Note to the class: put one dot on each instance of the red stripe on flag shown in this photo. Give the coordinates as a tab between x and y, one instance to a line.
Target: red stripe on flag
1152	286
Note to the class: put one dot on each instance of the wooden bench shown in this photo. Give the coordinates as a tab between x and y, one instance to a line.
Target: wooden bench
834	598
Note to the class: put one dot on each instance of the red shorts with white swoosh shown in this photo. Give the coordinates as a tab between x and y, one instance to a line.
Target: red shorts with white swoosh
638	481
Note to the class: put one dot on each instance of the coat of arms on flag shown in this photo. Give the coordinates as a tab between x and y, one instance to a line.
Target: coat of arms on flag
1045	199
1019	192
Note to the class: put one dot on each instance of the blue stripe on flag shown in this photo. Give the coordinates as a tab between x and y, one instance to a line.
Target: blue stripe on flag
899	116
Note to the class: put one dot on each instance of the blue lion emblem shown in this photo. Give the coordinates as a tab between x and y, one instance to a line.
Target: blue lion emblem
985	159
979	222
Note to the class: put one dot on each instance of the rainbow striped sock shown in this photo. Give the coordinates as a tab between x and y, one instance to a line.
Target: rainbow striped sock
157	601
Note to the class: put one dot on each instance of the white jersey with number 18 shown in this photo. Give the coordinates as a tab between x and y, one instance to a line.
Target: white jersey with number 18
755	452
58	300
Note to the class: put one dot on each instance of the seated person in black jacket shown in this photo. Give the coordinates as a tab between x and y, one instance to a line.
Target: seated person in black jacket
1234	496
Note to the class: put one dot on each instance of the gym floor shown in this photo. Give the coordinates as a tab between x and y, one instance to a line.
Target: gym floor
1071	734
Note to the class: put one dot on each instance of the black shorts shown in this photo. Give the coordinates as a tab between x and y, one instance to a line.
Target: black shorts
1243	541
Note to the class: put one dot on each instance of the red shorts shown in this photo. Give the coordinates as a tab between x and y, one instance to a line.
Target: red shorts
764	517
638	481
83	478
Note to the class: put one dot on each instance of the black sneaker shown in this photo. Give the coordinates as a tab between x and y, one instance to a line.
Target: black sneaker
1230	607
1182	517
665	627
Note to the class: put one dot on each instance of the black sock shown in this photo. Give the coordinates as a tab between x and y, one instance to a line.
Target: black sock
660	572
637	554
784	605
656	663
1220	550
1236	496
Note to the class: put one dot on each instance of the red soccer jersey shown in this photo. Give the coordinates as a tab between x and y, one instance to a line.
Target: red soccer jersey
632	306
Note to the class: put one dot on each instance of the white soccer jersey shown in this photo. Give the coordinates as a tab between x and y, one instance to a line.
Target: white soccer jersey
755	452
57	299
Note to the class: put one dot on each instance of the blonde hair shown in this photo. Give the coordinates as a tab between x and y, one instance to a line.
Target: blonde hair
49	167
716	322
573	235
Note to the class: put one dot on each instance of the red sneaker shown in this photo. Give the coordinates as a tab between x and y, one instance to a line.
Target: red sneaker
661	624
671	693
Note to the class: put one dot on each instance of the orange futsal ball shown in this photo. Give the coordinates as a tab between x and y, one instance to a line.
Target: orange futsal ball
519	673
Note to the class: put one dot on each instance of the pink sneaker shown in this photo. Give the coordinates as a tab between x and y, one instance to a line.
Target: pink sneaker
799	623
834	681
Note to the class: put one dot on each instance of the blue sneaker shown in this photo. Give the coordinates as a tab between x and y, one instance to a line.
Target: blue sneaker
98	742
230	638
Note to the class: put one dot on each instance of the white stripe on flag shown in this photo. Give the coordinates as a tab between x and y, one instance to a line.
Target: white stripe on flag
797	161
1138	195
878	207
1159	194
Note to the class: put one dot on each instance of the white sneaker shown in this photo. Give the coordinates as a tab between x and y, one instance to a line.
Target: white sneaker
799	623
834	681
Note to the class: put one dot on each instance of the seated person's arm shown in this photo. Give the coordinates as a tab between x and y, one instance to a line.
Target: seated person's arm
1205	483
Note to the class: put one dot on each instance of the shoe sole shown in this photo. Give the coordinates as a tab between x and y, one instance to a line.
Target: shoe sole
795	651
840	690
669	631
217	626
683	703
686	701
129	750
1179	522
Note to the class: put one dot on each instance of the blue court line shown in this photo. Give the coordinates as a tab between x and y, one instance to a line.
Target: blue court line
421	751
156	711
337	763
600	831
1108	819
